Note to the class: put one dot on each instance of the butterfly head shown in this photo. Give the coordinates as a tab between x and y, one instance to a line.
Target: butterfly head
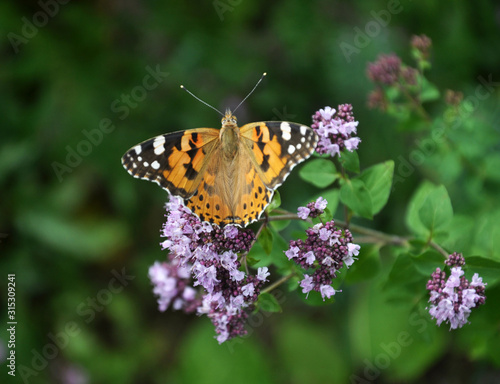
229	118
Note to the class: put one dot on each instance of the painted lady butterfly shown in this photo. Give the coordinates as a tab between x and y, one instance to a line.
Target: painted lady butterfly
227	175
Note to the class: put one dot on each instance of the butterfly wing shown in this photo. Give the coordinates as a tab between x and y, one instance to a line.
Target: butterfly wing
276	147
175	161
190	164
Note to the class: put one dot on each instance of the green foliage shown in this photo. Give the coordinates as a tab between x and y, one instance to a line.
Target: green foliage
429	212
378	180
429	92
350	161
319	172
267	302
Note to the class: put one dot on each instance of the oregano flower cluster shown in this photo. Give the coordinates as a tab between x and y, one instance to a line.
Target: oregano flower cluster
323	253
452	296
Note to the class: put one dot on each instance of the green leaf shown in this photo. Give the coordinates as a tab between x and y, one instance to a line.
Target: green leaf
427	262
487	235
436	211
275	203
366	267
429	211
279	225
486	268
355	195
266	240
378	181
461	234
429	92
269	250
319	172
268	303
405	280
392	93
350	161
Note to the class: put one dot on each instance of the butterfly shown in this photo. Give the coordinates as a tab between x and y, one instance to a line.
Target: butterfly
224	176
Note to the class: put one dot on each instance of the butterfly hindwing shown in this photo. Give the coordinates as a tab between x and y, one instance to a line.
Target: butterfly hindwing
275	147
174	161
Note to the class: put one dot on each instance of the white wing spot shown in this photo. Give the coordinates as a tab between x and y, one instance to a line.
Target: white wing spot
138	149
158	145
303	130
286	130
146	164
139	158
302	139
291	149
155	164
299	146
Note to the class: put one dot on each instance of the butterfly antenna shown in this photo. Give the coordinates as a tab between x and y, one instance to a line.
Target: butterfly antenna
200	100
258	82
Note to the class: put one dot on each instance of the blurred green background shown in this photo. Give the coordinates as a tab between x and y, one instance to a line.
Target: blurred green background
73	220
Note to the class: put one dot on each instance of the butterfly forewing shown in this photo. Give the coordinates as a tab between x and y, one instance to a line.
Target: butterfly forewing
276	147
175	161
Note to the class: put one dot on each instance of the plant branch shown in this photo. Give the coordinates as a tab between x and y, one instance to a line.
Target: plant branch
373	234
438	248
277	283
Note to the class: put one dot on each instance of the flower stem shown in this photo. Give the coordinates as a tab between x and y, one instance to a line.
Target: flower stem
438	248
416	104
277	283
374	235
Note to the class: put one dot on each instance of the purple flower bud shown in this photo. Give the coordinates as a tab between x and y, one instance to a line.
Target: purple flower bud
453	297
326	250
335	130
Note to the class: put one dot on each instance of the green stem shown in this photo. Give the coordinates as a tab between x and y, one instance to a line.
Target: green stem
380	237
277	283
438	248
415	103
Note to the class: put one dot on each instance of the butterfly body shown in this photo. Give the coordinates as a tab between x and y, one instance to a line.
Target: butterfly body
227	175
